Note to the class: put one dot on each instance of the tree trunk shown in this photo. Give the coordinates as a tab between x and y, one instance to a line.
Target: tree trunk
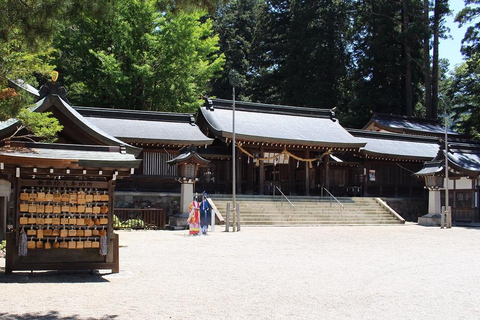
408	68
426	61
436	27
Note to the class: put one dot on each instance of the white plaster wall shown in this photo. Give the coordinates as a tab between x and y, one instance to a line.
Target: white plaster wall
462	183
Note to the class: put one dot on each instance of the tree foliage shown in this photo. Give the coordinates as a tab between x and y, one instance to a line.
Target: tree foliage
357	55
349	54
26	28
464	85
138	58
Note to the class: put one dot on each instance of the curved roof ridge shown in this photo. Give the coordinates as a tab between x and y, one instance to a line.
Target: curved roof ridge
271	108
86	125
134	114
63	107
392	135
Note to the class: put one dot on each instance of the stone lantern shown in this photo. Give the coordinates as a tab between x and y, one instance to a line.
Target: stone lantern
187	167
434	181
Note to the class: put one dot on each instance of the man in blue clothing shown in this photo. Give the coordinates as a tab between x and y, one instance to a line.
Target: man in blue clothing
205	214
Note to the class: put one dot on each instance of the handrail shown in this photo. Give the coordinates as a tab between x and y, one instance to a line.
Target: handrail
332	196
293	206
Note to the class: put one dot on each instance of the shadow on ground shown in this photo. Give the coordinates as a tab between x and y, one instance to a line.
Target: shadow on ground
51	315
52	277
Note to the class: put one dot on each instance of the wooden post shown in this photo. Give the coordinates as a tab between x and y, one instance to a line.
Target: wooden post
9	258
307	174
116	254
3	218
261	183
326	160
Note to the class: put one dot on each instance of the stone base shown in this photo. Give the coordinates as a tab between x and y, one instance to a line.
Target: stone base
430	219
178	221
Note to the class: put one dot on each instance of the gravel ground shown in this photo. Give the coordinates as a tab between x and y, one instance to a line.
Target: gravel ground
365	272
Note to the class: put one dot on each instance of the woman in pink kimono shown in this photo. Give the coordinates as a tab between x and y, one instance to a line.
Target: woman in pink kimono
194	217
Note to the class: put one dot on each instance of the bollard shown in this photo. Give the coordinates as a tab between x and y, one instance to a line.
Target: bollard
227	221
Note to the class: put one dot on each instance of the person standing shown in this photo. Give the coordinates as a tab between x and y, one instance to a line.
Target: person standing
194	217
205	213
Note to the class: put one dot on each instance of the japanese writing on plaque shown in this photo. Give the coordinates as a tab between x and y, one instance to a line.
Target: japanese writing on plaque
64	183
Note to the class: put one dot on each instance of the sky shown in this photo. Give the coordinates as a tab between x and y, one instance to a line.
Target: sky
450	48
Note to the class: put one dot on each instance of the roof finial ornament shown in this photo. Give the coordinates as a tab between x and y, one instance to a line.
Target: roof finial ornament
53	87
208	103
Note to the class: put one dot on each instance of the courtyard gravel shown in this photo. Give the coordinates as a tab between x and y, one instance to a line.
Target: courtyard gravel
339	272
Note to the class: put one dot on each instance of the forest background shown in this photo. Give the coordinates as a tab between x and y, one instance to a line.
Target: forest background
359	56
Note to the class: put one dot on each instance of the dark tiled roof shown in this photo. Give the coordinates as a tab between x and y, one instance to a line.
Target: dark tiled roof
392	145
465	158
276	124
431	168
404	124
188	156
146	126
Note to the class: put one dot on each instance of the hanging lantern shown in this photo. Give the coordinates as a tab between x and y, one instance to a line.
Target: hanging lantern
434	182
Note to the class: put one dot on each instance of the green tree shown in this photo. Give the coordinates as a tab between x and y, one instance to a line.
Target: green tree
139	58
26	28
464	85
387	48
237	24
317	60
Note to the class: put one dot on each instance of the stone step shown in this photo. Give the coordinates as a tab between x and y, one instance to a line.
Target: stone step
269	211
313	222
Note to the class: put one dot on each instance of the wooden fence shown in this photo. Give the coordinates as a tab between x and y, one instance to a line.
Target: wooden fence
126	218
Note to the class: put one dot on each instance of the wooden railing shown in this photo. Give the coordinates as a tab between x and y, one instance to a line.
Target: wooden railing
126	218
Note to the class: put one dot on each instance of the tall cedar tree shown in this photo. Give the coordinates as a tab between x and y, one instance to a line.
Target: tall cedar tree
237	25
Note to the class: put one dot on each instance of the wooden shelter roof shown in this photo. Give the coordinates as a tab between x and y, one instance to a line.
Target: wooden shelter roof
49	160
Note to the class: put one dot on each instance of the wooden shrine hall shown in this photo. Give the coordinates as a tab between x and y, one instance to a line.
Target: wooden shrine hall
278	146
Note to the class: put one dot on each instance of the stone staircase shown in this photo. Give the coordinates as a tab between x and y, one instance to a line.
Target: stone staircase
308	211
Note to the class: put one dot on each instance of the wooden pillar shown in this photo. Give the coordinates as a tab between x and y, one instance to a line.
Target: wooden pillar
291	175
3	218
365	178
326	161
307	173
261	181
238	174
250	174
5	189
397	170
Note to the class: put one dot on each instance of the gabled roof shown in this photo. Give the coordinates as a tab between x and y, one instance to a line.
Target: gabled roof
77	127
404	124
136	126
255	122
397	146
